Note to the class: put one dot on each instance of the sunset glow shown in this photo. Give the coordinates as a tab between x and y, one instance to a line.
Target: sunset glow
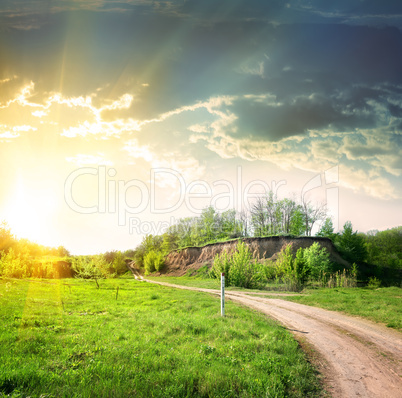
30	213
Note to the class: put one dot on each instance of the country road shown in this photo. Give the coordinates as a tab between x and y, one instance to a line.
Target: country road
356	357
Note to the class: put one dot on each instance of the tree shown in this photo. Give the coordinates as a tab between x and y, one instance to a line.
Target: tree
351	245
300	266
312	214
153	261
62	252
288	207
274	213
118	266
259	217
149	242
186	230
327	229
208	225
266	215
385	248
7	239
317	260
244	223
297	222
170	242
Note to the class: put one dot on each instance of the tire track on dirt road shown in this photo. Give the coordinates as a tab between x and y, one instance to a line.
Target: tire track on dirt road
358	358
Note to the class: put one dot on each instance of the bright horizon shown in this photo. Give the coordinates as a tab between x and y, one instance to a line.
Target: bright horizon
118	118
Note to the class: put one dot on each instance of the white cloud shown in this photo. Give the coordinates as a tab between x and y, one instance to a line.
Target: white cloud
8	133
326	150
95	125
187	167
7	136
370	182
24	128
39	114
137	151
216	128
83	160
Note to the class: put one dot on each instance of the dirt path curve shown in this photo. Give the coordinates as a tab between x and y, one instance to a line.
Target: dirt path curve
357	358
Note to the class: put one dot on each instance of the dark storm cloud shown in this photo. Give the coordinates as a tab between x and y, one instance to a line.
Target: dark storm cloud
296	117
322	75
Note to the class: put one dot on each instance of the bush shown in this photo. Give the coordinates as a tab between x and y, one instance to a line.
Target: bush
153	261
268	269
91	267
119	264
290	270
317	261
14	265
374	283
240	268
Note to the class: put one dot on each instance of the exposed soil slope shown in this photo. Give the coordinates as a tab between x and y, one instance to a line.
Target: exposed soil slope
179	262
357	358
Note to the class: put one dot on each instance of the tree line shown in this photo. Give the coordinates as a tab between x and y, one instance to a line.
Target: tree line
21	258
268	216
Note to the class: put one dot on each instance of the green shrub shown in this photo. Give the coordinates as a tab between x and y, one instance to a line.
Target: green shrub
14	265
240	268
119	264
268	269
290	270
153	261
317	261
221	265
374	283
91	267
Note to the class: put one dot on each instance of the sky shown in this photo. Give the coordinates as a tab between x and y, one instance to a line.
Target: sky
117	118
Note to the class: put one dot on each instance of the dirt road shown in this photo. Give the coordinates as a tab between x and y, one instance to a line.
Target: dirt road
357	358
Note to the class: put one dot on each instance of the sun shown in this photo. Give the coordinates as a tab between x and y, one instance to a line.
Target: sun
30	211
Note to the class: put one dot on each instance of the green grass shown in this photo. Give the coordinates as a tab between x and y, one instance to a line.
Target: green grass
66	338
211	283
206	283
381	305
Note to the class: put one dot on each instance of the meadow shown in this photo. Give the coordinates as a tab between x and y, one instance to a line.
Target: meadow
382	305
69	338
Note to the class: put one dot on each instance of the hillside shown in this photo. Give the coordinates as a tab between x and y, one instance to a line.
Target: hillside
180	261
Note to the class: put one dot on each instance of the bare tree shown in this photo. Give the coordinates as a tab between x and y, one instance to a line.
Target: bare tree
288	208
259	217
244	220
312	214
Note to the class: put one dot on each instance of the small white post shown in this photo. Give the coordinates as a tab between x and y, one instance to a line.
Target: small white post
222	294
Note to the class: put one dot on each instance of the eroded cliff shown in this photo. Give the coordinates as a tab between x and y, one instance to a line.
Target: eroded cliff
179	262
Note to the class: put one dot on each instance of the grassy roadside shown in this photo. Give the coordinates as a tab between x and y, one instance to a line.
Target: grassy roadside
66	338
206	283
382	305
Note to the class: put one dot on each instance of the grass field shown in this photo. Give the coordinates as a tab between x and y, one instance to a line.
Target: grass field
383	305
206	283
66	338
210	283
